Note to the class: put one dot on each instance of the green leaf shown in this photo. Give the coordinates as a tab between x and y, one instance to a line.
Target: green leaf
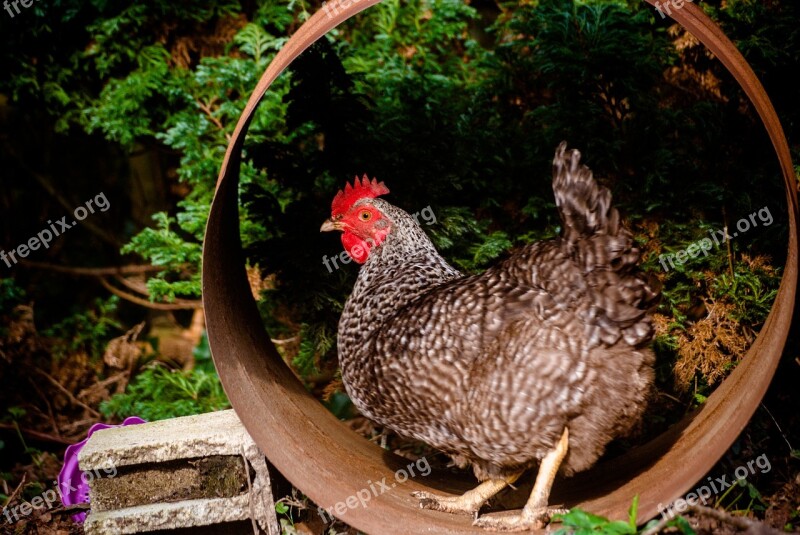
494	245
579	521
683	524
254	41
632	513
341	406
17	413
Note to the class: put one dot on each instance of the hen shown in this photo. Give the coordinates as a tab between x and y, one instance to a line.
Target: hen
540	360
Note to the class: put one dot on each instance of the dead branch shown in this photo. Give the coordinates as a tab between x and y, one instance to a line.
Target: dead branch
71	509
93	272
118	273
117	377
16	491
178	304
71	429
73	399
47	184
206	108
739	522
50	414
37	435
139	285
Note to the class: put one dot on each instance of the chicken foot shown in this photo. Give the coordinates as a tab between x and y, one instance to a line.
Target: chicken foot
468	503
536	514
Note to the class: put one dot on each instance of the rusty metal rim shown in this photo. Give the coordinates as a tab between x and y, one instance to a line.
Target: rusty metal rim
329	463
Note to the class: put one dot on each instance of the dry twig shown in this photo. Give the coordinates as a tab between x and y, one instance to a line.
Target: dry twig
739	522
72	398
93	272
16	491
178	304
38	435
50	414
206	108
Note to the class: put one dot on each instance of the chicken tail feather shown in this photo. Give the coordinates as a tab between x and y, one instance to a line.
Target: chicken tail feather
594	237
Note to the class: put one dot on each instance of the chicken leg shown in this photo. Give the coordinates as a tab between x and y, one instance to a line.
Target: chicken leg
468	503
535	514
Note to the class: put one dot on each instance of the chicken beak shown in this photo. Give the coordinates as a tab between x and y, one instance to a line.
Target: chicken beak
329	225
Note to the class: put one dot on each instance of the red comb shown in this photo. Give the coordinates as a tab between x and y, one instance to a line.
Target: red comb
359	190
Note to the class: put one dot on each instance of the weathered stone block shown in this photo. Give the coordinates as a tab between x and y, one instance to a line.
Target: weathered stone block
181	473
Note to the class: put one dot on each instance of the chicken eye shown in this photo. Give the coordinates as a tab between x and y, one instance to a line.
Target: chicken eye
365	215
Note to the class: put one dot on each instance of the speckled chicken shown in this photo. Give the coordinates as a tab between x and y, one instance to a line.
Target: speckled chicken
540	360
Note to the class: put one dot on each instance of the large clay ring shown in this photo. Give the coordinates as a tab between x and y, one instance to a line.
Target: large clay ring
330	463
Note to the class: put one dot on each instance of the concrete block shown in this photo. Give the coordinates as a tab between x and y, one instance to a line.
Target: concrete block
168	516
202	470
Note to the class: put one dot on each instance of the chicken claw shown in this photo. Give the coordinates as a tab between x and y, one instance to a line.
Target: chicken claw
457	505
468	503
525	521
536	514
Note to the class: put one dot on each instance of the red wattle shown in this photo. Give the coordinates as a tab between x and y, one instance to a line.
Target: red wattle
357	248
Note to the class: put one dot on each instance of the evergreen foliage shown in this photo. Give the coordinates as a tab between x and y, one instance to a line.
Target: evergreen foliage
159	392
